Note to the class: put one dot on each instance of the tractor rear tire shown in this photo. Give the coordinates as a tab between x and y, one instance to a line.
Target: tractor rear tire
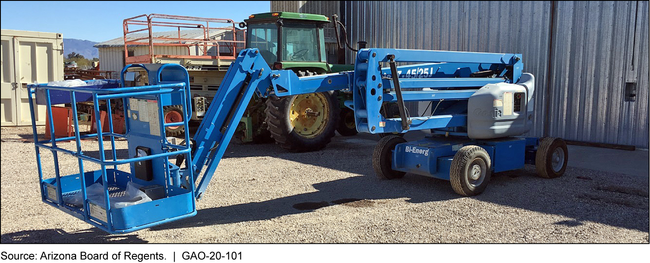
382	158
347	126
551	158
470	171
173	113
295	126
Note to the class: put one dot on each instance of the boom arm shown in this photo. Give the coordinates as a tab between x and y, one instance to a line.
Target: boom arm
438	79
249	71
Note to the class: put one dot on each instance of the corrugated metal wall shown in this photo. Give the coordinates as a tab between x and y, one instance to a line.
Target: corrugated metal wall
458	26
112	58
598	47
167	50
593	48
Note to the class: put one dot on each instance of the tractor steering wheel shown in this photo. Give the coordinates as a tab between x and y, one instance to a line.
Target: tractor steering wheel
300	54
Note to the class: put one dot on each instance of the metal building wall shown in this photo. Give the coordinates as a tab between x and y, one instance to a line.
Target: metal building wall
582	53
459	26
598	47
111	58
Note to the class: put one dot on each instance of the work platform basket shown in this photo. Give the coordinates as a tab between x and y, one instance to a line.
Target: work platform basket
152	190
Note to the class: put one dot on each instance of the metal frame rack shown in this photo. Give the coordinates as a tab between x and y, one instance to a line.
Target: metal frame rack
182	25
177	202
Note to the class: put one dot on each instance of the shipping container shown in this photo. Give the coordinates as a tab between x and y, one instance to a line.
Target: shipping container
27	57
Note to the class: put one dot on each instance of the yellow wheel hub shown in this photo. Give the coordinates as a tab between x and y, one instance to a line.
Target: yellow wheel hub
309	114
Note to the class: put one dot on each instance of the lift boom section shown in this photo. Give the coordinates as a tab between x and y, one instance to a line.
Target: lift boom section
441	74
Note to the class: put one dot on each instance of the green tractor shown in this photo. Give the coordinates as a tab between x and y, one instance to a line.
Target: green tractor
297	123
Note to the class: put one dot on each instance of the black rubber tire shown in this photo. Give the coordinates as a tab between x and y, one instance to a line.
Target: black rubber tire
346	119
170	131
463	166
382	135
544	157
282	131
382	158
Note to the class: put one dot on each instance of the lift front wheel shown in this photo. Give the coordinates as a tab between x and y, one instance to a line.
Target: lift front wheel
551	157
382	157
470	170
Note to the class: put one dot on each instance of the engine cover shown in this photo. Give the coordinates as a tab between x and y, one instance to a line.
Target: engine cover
501	110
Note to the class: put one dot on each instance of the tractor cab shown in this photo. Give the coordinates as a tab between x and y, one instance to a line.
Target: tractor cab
289	40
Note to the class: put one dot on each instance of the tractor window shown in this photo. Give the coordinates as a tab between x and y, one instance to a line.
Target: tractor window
265	38
300	43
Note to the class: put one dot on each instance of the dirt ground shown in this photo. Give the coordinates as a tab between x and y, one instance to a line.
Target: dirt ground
263	194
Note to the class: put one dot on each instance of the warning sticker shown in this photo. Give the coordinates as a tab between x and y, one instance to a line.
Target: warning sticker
507	103
51	193
144	113
97	212
154	123
133	104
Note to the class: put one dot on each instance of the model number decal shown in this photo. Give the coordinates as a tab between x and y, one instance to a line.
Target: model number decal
415	73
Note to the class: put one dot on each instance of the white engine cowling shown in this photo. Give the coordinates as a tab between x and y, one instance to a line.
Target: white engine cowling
502	109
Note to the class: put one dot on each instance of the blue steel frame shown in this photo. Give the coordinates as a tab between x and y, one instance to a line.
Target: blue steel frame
372	81
443	70
248	73
433	156
371	85
70	184
157	73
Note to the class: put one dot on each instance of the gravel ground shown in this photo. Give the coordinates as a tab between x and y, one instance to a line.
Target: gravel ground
263	194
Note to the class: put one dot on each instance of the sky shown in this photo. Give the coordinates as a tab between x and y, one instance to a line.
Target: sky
99	21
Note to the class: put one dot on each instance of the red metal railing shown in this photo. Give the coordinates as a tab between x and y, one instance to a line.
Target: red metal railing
224	49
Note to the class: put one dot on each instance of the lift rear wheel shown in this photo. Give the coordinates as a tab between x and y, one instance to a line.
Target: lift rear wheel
347	126
302	123
551	158
382	157
470	170
173	113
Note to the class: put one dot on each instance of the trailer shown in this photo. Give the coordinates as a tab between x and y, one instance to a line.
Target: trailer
207	46
483	104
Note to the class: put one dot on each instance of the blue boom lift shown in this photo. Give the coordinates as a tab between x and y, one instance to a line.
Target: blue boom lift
483	102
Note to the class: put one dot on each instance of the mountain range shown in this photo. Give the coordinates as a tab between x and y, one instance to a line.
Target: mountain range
79	46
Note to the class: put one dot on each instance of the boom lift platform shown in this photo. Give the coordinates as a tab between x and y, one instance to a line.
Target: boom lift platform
483	103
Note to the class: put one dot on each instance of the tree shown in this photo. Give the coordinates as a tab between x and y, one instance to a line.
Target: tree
82	62
74	55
